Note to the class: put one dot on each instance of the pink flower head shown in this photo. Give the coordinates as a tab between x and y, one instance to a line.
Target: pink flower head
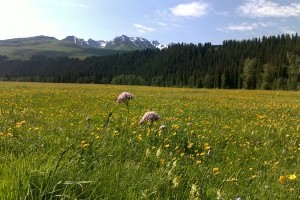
124	96
149	117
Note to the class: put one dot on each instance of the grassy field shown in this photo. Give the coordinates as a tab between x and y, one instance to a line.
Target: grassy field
64	141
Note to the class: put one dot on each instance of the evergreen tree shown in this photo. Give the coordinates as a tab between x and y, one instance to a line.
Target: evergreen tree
249	73
293	71
268	76
223	80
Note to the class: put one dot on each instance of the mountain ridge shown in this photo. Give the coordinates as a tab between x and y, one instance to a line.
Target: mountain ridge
72	46
122	42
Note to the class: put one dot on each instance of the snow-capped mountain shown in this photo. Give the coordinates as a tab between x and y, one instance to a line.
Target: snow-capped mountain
96	44
122	42
158	45
72	40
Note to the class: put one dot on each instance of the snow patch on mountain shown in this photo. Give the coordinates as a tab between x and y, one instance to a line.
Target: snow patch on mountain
158	45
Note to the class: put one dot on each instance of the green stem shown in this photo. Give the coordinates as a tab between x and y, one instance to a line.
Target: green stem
127	116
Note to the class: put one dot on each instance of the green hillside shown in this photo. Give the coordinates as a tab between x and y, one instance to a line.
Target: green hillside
25	48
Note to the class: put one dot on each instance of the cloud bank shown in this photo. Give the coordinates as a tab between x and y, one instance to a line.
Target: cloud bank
265	8
193	9
247	26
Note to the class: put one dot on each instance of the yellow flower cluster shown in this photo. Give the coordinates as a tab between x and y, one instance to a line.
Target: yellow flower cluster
19	124
282	179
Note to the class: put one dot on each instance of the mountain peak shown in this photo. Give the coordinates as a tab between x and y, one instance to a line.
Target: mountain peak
124	42
72	40
96	44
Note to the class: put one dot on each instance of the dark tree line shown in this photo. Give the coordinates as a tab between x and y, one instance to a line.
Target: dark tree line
259	63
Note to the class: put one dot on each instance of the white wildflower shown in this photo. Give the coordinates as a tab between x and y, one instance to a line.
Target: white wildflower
162	127
158	152
148	152
194	193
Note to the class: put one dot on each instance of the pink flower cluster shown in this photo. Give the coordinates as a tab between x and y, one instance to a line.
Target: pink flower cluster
124	96
149	117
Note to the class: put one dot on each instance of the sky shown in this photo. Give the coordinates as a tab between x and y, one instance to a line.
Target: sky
187	21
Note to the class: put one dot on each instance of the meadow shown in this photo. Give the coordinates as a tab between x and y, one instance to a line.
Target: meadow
71	141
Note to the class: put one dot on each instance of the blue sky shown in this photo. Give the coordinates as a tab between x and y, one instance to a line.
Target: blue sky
188	21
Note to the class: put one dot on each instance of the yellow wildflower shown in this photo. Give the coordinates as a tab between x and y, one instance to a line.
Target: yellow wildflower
231	179
139	138
162	161
261	116
190	145
216	171
198	162
292	177
85	145
253	176
175	182
206	146
9	135
19	124
282	179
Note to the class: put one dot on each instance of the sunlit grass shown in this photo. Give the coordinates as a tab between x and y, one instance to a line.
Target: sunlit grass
69	141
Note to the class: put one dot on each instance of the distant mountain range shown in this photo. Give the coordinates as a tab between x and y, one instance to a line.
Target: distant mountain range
122	42
71	46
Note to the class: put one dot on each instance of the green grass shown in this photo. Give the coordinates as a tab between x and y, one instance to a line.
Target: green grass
218	144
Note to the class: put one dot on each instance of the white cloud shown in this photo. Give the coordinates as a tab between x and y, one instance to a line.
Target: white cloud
194	9
241	27
143	29
267	8
245	26
287	30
